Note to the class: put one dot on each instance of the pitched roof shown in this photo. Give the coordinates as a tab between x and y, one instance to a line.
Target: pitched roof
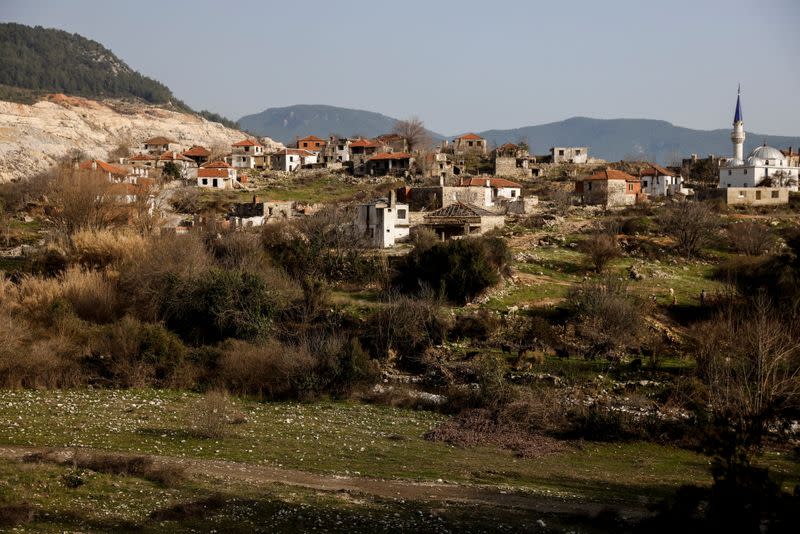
610	174
363	143
460	209
390	155
142	157
215	165
508	146
469	136
654	169
212	173
159	140
311	138
198	151
247	142
479	181
169	156
296	152
103	166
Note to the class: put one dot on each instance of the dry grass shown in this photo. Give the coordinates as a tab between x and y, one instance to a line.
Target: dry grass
267	370
100	248
136	466
93	295
212	414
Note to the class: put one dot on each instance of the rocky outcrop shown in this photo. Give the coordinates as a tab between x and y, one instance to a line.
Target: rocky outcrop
33	137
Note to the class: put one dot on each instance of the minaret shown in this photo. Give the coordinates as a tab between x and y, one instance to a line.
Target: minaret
737	135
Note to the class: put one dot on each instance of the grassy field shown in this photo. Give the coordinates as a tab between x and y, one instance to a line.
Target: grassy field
341	438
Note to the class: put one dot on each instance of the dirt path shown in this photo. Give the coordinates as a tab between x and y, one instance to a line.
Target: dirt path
388	489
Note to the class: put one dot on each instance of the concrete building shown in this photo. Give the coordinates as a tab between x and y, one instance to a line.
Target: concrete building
570	154
609	188
460	219
336	150
764	167
291	159
247	154
756	196
469	144
159	144
383	222
217	175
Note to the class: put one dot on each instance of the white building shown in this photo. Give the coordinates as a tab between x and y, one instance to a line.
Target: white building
216	175
290	159
570	154
247	154
383	222
764	167
660	182
494	189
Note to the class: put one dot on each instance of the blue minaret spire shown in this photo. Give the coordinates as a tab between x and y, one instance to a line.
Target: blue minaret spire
737	116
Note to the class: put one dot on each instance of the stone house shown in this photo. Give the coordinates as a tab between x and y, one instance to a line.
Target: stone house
389	163
469	144
570	154
159	144
114	173
495	189
198	154
258	213
437	165
311	142
609	188
383	222
460	219
513	161
395	142
336	150
143	160
217	175
291	159
657	181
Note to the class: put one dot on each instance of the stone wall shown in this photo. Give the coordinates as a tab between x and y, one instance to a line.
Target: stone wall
511	167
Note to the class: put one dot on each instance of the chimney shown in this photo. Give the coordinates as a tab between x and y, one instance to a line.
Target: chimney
488	182
256	199
392	198
441	180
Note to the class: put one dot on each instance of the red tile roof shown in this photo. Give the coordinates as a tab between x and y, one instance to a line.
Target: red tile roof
611	174
248	142
103	166
169	156
508	146
390	155
363	143
198	151
296	152
216	165
311	138
143	157
493	182
469	136
159	140
653	169
212	173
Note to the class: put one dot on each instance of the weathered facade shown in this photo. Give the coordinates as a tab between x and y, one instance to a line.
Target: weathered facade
389	163
383	222
609	188
756	196
460	219
570	154
469	144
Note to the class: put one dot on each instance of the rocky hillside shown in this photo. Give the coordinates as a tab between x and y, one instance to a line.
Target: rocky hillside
33	137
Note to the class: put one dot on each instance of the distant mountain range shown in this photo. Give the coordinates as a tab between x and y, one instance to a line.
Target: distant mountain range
609	139
287	124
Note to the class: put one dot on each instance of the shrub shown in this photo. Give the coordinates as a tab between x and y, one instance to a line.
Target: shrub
607	313
97	249
15	514
691	224
91	294
211	415
601	248
268	369
479	325
493	389
406	327
136	466
458	270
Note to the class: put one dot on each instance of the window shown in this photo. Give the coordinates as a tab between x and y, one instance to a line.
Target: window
513	193
470	143
729	172
590	186
215	182
578	151
741	194
758	195
401	214
644	184
205	181
560	152
745	171
775	194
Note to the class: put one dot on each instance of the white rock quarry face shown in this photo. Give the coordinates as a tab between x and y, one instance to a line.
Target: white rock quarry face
34	137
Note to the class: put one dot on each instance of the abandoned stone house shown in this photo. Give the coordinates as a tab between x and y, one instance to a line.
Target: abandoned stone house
389	163
395	142
512	161
609	188
311	142
574	154
336	150
257	213
384	222
461	219
469	144
159	144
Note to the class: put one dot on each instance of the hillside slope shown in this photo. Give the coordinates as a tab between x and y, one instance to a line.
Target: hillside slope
287	123
33	137
615	139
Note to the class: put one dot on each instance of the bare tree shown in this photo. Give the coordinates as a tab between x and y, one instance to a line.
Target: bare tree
147	207
81	200
750	362
413	131
691	224
601	247
751	238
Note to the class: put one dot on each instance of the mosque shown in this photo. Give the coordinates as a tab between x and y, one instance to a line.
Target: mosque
764	167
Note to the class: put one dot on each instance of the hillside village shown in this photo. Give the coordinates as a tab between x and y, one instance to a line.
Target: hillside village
203	329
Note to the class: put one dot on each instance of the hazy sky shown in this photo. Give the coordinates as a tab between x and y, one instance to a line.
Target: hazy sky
460	65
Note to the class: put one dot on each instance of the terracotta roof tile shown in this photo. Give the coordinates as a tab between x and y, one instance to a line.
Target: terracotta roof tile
469	136
390	155
653	169
363	143
103	166
198	151
212	173
215	165
493	182
247	142
312	138
460	209
611	174
159	140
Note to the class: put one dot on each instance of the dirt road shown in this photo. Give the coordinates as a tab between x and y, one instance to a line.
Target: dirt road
388	489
